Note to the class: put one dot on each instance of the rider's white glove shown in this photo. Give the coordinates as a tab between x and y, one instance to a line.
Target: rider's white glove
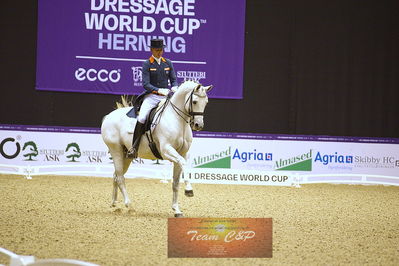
163	91
174	88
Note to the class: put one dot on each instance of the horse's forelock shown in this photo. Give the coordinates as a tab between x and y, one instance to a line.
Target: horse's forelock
189	86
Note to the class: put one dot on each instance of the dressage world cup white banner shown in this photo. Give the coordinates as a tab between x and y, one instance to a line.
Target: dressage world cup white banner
216	158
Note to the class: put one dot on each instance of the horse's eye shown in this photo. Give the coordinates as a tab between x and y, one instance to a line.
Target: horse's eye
194	102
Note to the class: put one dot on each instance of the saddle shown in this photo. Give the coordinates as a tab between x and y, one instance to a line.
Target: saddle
134	112
147	125
148	122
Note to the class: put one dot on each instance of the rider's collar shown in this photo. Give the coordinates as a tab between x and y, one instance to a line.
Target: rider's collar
153	59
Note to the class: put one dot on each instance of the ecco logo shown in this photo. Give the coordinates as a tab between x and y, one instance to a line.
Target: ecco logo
9	156
102	75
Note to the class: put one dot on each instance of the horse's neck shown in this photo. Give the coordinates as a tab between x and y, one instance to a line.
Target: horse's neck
178	99
176	109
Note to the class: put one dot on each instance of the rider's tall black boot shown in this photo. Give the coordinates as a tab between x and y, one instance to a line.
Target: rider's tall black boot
138	132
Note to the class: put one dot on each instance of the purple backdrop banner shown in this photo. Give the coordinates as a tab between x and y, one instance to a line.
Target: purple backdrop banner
98	46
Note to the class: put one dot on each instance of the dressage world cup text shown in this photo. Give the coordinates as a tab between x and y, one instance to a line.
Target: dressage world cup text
129	25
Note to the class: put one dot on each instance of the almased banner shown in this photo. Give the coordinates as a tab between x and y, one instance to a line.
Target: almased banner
98	46
290	158
214	158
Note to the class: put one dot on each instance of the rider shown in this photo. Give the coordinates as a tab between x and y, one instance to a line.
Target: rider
157	72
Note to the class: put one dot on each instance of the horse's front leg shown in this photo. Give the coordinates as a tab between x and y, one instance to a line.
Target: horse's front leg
179	162
169	153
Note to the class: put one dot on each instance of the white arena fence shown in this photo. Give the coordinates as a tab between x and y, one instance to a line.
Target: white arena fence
86	170
165	173
215	158
23	260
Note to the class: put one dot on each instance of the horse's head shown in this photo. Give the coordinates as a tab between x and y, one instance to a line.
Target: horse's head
196	102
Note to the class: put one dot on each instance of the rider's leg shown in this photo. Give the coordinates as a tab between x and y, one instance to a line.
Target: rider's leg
150	101
138	132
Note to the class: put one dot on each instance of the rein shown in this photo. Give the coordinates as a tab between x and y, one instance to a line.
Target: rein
178	111
190	114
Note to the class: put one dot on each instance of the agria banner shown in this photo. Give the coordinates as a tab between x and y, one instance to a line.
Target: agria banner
214	157
98	46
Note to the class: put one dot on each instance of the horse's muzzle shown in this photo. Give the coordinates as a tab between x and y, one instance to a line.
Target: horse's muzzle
197	126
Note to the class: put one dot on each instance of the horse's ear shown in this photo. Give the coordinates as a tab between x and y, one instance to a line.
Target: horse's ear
198	87
208	88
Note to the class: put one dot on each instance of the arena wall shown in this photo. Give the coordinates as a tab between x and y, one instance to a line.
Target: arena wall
215	158
310	68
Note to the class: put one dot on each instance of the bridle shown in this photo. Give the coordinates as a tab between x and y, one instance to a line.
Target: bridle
190	113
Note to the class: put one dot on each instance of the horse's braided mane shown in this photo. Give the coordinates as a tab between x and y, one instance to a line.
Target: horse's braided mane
125	102
128	102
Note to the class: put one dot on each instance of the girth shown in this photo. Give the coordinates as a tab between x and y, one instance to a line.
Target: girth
148	133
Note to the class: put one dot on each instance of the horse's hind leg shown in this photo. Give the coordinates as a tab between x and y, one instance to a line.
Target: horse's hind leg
121	164
188	191
177	170
126	163
114	192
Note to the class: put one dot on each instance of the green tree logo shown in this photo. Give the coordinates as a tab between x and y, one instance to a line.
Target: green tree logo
32	151
74	147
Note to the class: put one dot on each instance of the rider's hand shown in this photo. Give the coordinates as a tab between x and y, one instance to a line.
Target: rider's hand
163	91
174	88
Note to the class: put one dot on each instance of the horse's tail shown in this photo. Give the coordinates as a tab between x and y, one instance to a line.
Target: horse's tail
125	102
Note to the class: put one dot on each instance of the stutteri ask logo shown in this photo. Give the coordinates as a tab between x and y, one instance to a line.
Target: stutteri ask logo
191	75
74	151
220	159
302	162
31	150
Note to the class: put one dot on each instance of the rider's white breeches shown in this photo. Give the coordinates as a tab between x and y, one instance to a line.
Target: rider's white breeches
150	101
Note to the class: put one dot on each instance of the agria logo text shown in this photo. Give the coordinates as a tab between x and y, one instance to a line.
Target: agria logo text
253	155
335	158
223	158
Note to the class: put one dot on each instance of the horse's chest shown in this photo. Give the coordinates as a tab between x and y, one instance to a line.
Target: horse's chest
182	145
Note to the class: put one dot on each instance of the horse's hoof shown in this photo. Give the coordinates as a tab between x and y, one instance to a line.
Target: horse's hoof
189	193
130	156
178	215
